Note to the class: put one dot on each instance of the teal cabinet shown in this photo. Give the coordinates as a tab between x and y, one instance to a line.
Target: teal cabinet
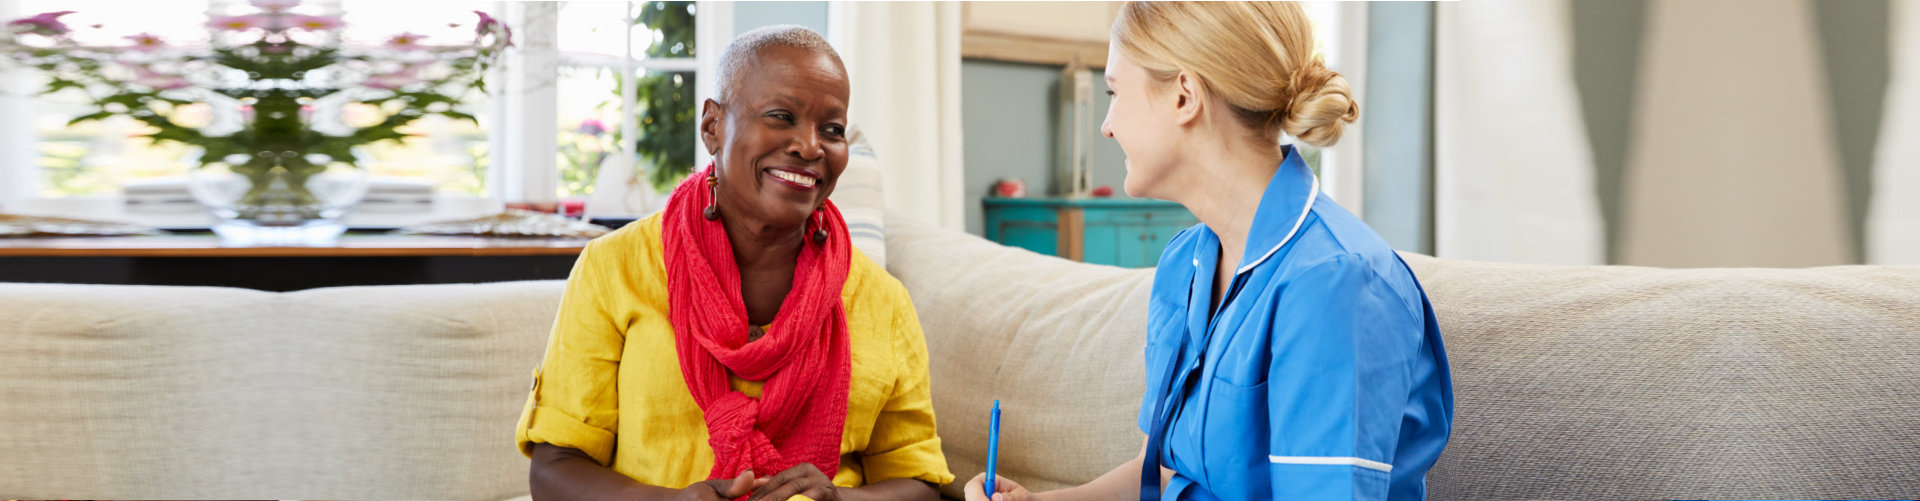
1119	232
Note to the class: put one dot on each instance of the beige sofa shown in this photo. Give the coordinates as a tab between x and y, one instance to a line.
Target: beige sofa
1570	382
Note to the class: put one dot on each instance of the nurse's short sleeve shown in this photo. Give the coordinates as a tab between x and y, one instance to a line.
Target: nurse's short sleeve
572	402
1337	387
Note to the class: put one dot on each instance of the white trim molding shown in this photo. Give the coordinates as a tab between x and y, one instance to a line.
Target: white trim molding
713	30
524	168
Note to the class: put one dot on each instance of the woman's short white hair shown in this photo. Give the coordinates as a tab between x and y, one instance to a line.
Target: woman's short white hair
740	52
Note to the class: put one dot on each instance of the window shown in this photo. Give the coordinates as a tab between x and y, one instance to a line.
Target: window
447	153
96	158
596	72
605	71
604	47
91	158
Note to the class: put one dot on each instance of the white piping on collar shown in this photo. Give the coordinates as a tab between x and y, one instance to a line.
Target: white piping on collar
1311	195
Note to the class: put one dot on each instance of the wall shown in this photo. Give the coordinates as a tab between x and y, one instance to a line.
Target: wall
1009	114
1397	114
750	15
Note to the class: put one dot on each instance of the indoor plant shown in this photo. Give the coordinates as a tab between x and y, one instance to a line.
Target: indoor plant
285	102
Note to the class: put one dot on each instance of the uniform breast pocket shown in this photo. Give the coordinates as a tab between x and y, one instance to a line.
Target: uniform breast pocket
1235	440
1243	361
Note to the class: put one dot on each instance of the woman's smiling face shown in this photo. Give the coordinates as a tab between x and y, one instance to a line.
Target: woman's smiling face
1140	118
779	143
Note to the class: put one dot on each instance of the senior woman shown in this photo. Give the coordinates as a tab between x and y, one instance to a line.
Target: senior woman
734	344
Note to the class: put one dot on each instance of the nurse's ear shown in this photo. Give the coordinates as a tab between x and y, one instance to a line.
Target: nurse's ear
1189	98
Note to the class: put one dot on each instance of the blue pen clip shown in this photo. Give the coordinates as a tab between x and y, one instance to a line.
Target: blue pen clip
993	446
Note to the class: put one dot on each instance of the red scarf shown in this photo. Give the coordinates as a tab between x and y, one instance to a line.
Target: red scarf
803	357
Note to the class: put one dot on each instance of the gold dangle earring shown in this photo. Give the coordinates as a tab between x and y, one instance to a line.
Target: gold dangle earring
713	205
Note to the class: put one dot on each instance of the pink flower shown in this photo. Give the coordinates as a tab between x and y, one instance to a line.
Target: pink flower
486	21
317	23
592	127
390	81
157	80
239	23
45	24
405	41
147	42
274	5
490	25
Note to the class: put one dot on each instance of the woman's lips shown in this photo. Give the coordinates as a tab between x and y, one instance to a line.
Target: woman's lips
793	179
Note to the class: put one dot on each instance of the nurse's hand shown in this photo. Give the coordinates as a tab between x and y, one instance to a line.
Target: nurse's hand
1004	490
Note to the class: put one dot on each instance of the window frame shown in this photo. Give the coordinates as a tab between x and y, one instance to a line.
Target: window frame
533	174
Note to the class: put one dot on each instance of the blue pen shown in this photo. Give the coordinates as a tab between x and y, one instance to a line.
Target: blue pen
993	445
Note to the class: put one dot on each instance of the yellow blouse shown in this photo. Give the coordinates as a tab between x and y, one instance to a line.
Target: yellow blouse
611	386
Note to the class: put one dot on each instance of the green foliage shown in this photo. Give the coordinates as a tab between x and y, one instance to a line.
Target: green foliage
666	100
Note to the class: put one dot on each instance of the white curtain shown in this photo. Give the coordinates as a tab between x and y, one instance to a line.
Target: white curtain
904	61
1893	217
1732	159
1513	174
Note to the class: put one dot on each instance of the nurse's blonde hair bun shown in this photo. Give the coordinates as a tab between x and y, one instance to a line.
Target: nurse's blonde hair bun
1319	107
1257	56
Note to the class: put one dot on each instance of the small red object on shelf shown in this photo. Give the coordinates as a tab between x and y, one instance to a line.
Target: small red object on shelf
1010	188
1103	191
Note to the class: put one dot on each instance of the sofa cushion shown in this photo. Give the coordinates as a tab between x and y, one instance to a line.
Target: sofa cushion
415	388
129	392
1058	343
115	392
1625	382
1570	382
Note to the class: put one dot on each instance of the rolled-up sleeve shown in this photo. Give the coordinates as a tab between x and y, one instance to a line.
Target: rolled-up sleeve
1338	383
573	402
904	443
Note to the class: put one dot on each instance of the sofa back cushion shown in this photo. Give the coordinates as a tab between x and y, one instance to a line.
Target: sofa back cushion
114	392
1058	343
119	392
415	389
1626	382
1569	382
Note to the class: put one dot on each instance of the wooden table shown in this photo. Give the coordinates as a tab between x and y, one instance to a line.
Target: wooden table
355	259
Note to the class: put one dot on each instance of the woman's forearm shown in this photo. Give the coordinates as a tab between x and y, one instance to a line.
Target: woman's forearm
1123	482
566	474
899	488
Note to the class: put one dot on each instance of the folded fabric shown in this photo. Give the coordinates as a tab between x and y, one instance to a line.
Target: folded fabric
18	225
511	223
